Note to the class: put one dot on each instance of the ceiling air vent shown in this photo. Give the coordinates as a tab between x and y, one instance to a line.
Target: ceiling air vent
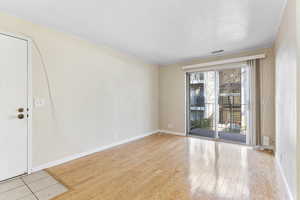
217	51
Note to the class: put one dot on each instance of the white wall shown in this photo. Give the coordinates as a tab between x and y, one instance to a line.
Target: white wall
298	95
99	95
286	96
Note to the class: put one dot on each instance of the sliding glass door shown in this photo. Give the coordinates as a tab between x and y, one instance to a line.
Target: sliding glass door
218	103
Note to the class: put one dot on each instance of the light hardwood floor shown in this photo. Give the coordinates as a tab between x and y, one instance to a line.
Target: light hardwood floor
166	167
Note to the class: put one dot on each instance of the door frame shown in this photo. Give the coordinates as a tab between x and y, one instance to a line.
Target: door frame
29	94
187	97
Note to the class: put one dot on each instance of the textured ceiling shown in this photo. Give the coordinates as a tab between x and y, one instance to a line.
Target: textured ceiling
159	31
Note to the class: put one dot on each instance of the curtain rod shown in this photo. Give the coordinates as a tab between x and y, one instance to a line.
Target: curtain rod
226	61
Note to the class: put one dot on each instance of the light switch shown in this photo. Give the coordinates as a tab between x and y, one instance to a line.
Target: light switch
39	102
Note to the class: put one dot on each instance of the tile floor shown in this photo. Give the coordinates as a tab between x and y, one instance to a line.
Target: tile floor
37	186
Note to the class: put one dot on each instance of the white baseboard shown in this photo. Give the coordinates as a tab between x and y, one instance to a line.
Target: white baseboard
172	132
284	178
79	155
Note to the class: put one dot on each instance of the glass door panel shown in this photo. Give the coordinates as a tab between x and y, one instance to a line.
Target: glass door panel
232	108
202	104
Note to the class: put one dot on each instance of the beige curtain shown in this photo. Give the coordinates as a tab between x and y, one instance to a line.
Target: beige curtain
255	129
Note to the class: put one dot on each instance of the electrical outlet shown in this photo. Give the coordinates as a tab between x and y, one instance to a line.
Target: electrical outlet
170	125
116	136
266	141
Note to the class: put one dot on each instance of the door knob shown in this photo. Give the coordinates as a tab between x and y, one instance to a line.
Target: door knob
20	110
20	116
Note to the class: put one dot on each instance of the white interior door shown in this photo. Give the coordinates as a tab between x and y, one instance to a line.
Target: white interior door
13	98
